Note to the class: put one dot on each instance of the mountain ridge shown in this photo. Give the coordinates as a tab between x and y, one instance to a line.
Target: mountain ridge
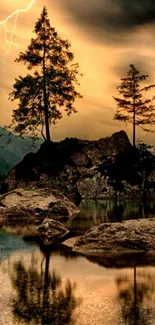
13	148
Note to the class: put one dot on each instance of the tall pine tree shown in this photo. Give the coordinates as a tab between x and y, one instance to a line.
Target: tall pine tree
132	106
41	95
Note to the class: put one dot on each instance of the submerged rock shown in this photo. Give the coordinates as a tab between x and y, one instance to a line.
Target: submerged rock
27	207
52	231
116	239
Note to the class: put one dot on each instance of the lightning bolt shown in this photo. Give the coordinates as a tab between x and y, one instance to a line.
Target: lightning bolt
9	36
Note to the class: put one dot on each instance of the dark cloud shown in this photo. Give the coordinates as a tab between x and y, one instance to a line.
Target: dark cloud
114	17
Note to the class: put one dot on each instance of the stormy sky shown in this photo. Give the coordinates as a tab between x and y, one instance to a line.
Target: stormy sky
106	36
112	16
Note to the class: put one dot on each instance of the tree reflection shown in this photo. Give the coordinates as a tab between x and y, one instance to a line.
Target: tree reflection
132	294
116	214
41	297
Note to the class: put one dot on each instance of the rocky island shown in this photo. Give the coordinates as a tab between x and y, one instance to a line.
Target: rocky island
106	168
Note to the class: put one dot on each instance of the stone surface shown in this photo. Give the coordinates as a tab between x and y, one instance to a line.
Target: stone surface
32	206
94	186
71	241
116	239
52	231
93	153
80	159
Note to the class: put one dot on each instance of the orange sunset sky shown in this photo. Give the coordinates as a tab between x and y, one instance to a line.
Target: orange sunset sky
106	36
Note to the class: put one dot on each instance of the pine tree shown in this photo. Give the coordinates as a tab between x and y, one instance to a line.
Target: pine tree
41	95
133	107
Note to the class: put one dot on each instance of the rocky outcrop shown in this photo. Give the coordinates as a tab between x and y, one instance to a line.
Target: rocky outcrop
26	207
118	239
70	166
52	232
104	168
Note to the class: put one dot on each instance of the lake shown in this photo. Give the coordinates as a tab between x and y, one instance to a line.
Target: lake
57	286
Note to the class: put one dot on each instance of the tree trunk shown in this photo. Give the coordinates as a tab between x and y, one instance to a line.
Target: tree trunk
48	137
134	128
46	291
134	117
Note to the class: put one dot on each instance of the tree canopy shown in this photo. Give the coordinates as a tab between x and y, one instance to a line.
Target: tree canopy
132	106
50	87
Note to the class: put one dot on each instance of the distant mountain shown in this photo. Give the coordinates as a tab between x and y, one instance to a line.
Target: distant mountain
13	148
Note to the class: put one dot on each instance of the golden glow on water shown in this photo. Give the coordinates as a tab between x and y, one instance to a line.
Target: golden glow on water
101	296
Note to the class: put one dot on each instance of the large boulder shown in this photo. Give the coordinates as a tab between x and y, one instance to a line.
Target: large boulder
32	206
116	239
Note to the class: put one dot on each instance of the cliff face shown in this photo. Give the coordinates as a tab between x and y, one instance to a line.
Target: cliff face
82	169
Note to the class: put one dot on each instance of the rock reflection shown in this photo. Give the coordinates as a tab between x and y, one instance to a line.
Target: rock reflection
135	296
42	297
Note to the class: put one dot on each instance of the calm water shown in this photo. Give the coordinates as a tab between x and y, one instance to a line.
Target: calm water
58	287
96	212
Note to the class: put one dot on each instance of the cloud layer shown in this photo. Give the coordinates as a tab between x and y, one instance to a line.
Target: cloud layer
113	18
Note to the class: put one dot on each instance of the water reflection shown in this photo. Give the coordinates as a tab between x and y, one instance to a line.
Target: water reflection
114	292
134	293
96	212
41	296
53	250
39	292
